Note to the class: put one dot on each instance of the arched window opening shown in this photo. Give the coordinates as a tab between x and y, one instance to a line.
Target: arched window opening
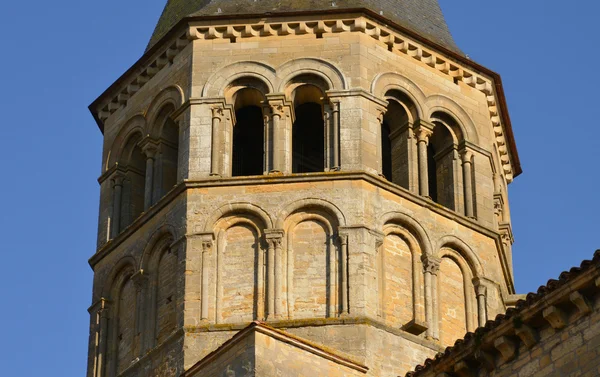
165	296
132	202
395	153
124	335
386	151
166	176
248	134
432	173
441	155
308	132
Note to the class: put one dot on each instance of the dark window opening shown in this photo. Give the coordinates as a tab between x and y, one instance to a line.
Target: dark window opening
386	151
170	155
248	142
432	173
308	147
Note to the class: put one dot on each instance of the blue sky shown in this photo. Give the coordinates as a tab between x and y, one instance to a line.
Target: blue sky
58	56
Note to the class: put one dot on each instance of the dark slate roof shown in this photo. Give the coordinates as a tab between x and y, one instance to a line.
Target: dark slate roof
423	17
531	299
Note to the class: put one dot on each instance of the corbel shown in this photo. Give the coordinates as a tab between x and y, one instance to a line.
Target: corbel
581	302
114	106
162	62
122	98
555	317
506	347
462	369
486	359
527	335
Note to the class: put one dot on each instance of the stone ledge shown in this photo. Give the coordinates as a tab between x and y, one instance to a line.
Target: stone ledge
318	322
285	179
452	65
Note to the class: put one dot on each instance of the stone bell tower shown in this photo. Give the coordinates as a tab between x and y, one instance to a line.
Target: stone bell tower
298	188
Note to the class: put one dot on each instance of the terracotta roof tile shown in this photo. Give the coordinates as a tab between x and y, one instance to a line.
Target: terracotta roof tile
531	299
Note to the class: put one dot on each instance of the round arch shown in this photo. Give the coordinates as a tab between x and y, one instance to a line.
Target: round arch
459	246
443	104
309	203
310	66
136	124
411	225
120	268
160	235
238	208
218	82
388	81
172	95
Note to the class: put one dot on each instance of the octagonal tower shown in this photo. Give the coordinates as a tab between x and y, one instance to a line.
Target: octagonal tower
337	171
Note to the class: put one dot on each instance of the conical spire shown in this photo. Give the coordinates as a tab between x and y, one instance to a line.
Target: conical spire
423	17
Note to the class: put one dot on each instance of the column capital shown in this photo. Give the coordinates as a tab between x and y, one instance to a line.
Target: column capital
217	111
117	177
277	101
506	233
335	104
139	279
481	285
277	107
423	130
466	155
420	123
207	245
274	236
99	306
343	237
149	146
423	134
274	233
431	264
380	113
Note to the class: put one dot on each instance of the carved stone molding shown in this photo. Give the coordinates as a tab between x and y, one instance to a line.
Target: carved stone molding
395	41
431	264
274	236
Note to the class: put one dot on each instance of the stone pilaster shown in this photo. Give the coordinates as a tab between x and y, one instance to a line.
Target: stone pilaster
275	273
344	304
207	250
150	149
431	268
467	164
423	132
117	185
100	312
216	142
146	312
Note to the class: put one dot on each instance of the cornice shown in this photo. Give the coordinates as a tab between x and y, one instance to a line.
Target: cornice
296	178
398	40
319	322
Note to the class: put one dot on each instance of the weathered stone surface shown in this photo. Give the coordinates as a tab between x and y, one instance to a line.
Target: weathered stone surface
188	255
